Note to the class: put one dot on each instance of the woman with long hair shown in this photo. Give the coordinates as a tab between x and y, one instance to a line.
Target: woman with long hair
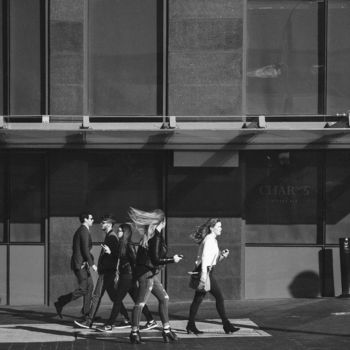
126	254
207	258
151	255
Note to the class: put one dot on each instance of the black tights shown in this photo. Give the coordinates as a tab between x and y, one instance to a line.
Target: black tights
199	296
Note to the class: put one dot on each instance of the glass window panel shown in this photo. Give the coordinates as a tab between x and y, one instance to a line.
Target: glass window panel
200	192
103	183
26	198
282	57
1	61
2	200
25	71
337	196
281	197
124	57
338	58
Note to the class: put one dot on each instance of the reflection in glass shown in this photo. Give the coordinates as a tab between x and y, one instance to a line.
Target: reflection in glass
283	57
338	58
124	55
281	197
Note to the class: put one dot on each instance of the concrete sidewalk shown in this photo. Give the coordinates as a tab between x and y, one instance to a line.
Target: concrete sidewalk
264	324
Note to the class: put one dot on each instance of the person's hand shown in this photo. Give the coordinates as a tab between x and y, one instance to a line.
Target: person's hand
94	267
225	253
106	249
201	286
177	258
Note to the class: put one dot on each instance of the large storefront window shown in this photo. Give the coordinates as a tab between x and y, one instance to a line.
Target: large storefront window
125	57
285	57
281	197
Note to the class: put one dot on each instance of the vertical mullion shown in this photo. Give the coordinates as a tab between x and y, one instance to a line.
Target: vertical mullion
44	55
86	34
164	76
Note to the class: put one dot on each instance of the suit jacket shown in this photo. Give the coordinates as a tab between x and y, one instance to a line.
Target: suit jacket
82	244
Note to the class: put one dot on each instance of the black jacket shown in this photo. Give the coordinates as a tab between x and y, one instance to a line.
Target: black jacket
128	260
82	244
108	262
151	258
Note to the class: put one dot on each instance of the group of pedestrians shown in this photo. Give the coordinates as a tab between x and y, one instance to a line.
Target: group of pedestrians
138	267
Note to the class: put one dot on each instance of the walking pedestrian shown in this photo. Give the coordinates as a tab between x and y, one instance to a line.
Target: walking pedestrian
107	265
81	262
126	283
207	258
151	255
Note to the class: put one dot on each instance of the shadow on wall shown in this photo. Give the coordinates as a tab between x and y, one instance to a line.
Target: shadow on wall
305	285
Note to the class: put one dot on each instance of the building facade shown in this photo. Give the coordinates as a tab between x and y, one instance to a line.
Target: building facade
236	109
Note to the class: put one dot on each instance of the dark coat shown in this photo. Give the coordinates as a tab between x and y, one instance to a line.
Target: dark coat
82	244
108	262
151	258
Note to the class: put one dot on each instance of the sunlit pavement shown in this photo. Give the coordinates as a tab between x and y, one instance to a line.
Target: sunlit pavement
264	324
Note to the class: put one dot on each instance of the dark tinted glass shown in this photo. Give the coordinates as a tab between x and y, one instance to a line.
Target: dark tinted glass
338	58
337	195
26	198
283	64
124	57
281	197
25	71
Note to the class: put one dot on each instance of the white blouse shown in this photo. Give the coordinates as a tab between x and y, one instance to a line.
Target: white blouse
208	254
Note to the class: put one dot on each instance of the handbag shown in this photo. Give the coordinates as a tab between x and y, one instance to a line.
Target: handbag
195	278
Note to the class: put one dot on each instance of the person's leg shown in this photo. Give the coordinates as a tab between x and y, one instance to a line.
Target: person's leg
133	294
197	300
163	300
84	285
88	296
96	298
144	291
220	306
219	299
123	287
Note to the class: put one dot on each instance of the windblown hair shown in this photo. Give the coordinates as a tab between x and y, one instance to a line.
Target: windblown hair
125	240
203	230
146	222
212	222
200	233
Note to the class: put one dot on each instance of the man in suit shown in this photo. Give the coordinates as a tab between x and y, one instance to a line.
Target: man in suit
81	262
107	266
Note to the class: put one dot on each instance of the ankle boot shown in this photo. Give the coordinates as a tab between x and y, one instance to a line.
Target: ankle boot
191	328
168	335
135	337
229	327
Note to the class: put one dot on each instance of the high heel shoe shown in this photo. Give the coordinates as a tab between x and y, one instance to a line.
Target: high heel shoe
169	335
191	328
229	327
135	337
